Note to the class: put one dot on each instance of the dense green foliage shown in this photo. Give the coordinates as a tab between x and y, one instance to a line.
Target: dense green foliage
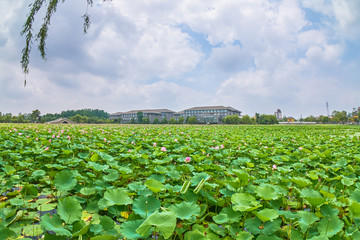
183	182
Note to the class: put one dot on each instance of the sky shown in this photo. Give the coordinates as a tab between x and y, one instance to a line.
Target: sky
253	55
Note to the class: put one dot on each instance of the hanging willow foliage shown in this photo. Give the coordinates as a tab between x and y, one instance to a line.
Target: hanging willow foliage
42	34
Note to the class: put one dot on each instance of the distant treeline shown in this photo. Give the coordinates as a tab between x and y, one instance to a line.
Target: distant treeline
79	116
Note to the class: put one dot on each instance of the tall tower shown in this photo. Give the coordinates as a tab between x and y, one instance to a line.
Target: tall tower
327	109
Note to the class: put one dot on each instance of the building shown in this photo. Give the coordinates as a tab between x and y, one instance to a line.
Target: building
278	114
210	114
160	114
291	119
61	121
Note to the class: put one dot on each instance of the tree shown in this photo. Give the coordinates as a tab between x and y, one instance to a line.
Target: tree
257	117
35	116
146	120
172	121
181	120
231	119
140	116
191	120
245	120
310	118
156	121
77	118
340	117
267	119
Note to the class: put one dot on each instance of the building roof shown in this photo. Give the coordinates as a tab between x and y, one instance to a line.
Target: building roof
61	121
155	111
212	108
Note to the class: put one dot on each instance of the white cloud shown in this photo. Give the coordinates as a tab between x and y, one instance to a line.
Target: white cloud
259	55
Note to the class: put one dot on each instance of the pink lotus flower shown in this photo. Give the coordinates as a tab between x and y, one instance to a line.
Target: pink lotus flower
20	134
36	139
222	146
217	147
274	167
154	144
129	150
163	149
300	148
104	139
175	140
49	140
47	148
187	159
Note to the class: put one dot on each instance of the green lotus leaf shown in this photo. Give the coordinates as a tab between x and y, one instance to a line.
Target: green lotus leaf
186	210
16	202
355	195
354	209
64	180
145	205
227	214
117	197
329	226
38	174
244	202
7	234
328	211
267	237
267	214
9	169
301	181
164	222
97	167
312	196
347	181
32	230
46	207
112	176
88	191
55	224
80	228
306	219
267	192
95	157
271	227
288	214
154	185
253	225
198	177
128	229
244	236
69	210
103	237
195	235
319	238
218	230
29	191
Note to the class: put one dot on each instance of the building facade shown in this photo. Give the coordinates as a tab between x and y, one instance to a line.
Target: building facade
152	114
206	114
210	114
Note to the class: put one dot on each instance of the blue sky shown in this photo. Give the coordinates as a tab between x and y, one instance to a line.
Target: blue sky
256	56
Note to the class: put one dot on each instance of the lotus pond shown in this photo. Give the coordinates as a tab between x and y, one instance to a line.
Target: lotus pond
179	182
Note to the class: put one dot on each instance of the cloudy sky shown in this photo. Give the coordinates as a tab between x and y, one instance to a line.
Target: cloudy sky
253	55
